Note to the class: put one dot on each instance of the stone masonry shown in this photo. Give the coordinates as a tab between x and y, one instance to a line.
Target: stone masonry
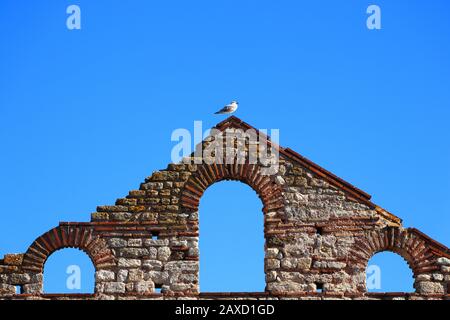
320	232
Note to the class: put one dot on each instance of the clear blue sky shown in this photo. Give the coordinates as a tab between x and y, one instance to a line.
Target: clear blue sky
87	114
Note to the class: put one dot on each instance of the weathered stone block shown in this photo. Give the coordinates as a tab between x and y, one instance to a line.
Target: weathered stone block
32	288
6	289
137	193
38	277
438	277
135	275
105	275
163	253
98	216
120	216
271	276
122	275
155	265
188	278
179	266
445	269
117	243
13	259
284	286
329	265
126	202
129	287
423	277
114	287
129	263
428	287
134	242
144	286
272	253
297	171
183	287
443	261
304	263
156	242
272	264
17	278
149	216
133	252
159	277
289	263
112	208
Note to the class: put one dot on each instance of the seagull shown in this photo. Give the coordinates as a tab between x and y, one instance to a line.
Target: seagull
229	108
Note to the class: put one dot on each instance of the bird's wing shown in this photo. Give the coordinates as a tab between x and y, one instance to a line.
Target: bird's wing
226	108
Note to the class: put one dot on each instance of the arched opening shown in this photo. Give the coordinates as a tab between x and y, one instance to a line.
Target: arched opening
231	239
69	271
389	272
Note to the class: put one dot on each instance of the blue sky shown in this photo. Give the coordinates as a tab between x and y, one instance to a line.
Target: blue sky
87	114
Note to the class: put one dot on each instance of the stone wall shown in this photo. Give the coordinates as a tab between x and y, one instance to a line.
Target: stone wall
320	232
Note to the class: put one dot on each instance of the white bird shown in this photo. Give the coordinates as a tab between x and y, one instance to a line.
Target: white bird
229	108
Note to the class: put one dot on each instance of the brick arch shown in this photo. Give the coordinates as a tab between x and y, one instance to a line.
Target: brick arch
265	186
410	245
78	237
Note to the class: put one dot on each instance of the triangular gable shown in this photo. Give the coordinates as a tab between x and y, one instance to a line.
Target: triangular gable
350	190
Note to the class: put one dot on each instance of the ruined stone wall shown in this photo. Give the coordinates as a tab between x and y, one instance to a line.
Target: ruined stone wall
319	230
